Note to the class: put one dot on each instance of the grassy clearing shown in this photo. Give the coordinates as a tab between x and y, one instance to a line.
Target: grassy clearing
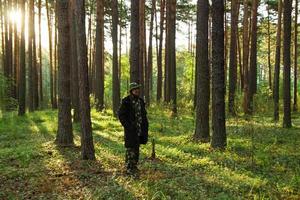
262	161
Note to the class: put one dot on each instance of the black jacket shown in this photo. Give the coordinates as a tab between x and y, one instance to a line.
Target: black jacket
127	117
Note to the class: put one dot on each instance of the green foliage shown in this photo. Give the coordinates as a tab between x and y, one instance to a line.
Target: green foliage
186	80
6	102
261	160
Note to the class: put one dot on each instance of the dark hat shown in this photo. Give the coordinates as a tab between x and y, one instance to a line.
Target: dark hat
134	85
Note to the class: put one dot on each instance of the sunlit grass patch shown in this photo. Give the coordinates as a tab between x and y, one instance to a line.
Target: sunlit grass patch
262	160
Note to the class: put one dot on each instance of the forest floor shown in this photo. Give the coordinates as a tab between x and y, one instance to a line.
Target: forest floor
262	160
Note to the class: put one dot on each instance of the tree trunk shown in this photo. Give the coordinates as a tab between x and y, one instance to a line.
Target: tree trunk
22	69
9	55
241	69
269	49
116	81
64	135
203	73
295	106
55	63
87	145
2	36
15	56
40	53
218	89
253	55
142	59
159	56
233	57
74	64
171	53
287	63
167	70
90	49
99	93
34	64
225	44
246	103
49	16
135	41
277	64
30	56
148	72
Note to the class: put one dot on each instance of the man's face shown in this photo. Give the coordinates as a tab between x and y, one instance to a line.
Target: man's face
136	92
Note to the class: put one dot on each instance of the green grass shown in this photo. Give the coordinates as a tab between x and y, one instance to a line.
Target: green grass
262	160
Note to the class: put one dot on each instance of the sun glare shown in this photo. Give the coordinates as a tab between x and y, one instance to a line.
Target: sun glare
15	17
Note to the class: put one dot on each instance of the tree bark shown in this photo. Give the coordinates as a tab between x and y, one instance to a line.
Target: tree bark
74	64
295	103
159	56
22	69
246	103
167	95
203	73
30	56
269	49
171	54
277	64
40	53
49	16
233	57
99	93
218	88
15	57
253	55
55	63
135	41
148	72
142	59
34	63
87	145
287	123
64	135
116	81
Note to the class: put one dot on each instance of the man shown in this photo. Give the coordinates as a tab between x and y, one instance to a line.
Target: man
133	117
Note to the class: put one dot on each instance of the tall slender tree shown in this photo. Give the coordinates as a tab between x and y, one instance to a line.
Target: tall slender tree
166	70
15	56
34	62
295	102
246	103
218	88
171	53
253	55
287	123
30	56
142	54
87	145
22	69
233	57
55	69
203	83
135	41
277	63
159	55
9	51
64	135
74	63
40	53
269	47
99	57
116	80
148	70
50	33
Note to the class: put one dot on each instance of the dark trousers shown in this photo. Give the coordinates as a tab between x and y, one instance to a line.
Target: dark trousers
132	158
